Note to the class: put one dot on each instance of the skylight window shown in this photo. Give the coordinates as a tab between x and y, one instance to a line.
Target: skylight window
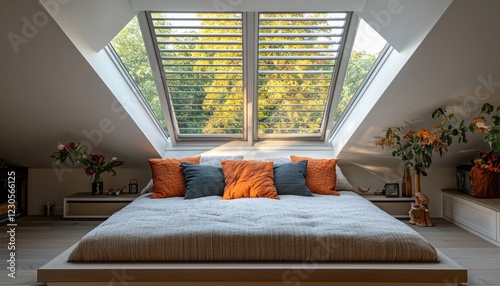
296	66
367	48
201	57
202	60
250	76
129	46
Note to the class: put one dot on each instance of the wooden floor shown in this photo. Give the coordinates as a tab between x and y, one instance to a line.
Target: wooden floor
39	239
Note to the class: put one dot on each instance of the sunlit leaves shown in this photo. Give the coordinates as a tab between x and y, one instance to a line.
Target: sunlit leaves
129	46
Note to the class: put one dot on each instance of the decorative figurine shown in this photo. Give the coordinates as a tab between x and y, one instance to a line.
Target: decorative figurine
115	192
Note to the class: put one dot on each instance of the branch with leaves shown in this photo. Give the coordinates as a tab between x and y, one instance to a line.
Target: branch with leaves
415	148
487	122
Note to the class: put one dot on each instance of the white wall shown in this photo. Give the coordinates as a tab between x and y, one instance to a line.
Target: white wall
50	93
44	185
431	185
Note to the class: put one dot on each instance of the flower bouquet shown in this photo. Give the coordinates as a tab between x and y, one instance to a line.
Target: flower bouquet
95	164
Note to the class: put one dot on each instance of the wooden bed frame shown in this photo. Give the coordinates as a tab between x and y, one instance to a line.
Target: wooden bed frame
59	272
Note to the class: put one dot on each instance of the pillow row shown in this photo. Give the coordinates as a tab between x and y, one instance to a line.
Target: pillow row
242	179
342	184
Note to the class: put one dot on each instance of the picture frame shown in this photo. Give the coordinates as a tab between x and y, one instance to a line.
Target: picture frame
391	190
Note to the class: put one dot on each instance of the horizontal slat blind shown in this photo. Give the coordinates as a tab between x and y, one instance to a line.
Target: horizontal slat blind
296	64
202	60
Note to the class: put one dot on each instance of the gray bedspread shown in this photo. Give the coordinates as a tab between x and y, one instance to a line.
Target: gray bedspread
318	229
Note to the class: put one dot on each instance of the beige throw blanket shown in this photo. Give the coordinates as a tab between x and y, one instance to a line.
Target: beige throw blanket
316	229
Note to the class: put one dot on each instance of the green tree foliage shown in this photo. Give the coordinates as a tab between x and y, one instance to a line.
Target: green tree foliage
129	45
293	93
205	87
224	94
205	78
360	64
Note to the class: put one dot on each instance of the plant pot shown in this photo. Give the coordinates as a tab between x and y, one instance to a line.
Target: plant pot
97	188
484	183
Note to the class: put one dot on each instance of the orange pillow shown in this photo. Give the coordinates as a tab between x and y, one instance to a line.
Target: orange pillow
248	179
168	179
321	176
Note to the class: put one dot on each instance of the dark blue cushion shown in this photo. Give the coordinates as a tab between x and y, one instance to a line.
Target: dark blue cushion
202	180
290	179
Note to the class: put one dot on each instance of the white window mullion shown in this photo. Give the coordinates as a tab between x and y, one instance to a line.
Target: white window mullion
250	53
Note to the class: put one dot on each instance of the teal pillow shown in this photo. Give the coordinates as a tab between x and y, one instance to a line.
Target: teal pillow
202	180
290	179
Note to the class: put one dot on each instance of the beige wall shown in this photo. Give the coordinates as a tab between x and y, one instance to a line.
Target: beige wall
431	185
45	186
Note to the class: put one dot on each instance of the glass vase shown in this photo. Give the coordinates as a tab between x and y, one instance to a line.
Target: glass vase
97	188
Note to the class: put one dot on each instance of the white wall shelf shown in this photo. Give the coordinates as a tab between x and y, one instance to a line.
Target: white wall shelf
396	206
86	205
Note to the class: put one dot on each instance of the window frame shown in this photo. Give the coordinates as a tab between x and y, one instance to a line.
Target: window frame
379	62
339	62
110	50
250	40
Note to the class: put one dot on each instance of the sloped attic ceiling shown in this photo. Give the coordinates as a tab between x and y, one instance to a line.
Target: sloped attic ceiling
49	92
457	66
56	95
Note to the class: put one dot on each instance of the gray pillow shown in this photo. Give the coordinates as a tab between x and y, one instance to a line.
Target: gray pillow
290	179
202	180
148	188
342	183
277	160
214	160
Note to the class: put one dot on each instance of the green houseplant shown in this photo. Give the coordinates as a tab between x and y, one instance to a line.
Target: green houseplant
486	167
95	164
415	148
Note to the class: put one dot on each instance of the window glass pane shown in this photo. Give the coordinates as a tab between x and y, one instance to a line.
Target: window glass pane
297	57
367	47
129	46
202	64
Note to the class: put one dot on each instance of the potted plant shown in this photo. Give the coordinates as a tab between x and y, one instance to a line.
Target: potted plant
486	167
414	148
95	164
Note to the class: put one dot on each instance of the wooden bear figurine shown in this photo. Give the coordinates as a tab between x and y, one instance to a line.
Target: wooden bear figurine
419	212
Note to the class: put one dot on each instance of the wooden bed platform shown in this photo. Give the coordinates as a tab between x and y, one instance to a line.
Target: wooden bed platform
59	272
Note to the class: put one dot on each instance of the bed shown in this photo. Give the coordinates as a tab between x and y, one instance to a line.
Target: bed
278	247
318	240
